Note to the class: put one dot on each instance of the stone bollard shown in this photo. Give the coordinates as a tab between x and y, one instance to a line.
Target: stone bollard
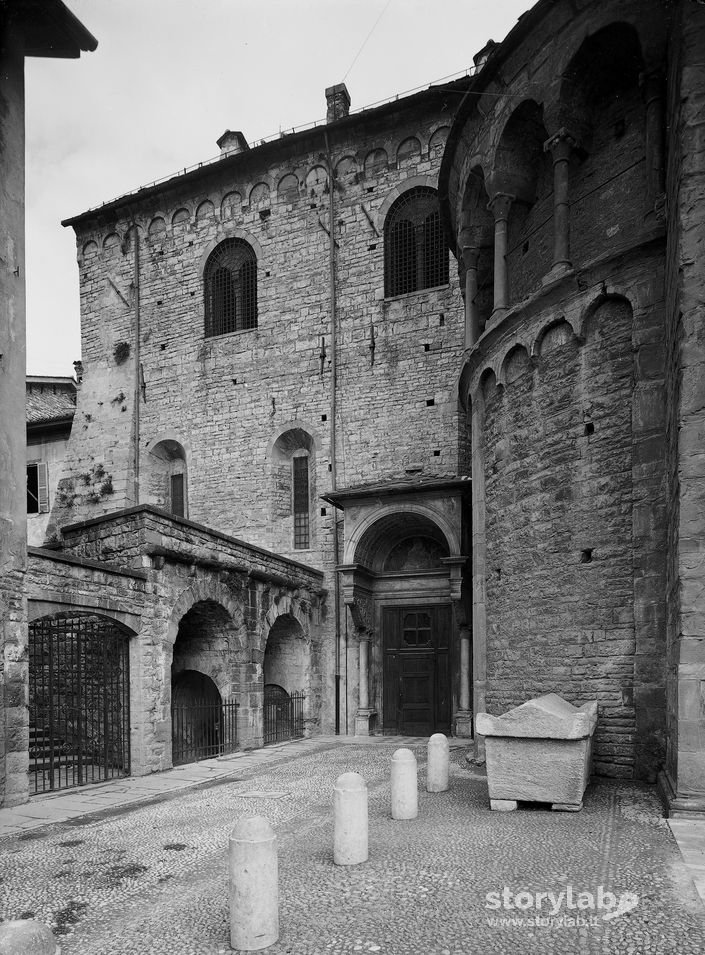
405	796
350	819
254	885
438	764
27	937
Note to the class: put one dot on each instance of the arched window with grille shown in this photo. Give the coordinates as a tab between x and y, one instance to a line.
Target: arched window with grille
415	248
230	288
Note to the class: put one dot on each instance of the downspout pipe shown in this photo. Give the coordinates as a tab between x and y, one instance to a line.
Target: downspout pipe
333	459
138	361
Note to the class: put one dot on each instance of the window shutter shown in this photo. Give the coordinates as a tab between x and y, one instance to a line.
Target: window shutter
177	495
43	486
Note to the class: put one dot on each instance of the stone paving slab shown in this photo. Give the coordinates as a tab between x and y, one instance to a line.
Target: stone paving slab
152	877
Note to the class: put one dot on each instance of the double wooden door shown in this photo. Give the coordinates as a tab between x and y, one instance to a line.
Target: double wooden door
417	696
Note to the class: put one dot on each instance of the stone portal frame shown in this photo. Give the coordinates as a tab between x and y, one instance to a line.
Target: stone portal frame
372	530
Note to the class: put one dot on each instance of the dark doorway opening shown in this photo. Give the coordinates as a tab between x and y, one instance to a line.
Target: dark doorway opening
202	726
417	698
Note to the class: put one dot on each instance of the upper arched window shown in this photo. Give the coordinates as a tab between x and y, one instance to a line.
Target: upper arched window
415	248
230	285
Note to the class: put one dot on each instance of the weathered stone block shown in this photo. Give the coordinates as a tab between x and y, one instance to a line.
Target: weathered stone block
540	751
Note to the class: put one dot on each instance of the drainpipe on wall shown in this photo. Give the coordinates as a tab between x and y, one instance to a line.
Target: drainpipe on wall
138	364
340	651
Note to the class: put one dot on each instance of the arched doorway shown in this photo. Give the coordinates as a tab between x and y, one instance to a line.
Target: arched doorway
79	701
196	718
400	584
286	674
203	724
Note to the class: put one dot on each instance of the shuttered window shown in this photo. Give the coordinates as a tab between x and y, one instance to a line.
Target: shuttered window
177	495
37	488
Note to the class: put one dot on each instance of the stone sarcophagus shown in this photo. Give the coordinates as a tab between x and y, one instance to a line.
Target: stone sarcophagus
540	751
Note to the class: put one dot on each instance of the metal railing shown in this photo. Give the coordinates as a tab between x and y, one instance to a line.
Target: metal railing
201	730
79	702
283	714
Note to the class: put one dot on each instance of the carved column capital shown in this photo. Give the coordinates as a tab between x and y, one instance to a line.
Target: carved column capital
561	144
500	204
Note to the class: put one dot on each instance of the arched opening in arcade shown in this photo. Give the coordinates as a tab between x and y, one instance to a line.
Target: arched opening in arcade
79	700
203	719
286	676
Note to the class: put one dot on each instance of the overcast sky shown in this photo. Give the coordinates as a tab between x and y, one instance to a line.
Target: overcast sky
169	76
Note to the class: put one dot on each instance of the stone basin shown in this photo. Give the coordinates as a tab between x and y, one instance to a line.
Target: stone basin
540	751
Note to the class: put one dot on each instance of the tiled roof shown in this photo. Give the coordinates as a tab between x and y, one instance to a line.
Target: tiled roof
50	403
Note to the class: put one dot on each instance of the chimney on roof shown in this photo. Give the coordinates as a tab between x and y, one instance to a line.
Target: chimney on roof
338	100
231	143
483	56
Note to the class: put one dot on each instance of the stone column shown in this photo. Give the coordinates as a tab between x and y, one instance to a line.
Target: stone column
500	206
364	718
479	565
463	718
561	146
653	92
472	316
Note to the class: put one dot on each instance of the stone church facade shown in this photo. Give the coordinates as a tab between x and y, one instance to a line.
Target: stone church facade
398	414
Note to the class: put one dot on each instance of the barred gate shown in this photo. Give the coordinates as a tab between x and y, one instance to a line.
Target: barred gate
201	729
283	714
79	701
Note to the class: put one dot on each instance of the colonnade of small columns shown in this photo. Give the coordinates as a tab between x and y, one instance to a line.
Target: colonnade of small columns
561	145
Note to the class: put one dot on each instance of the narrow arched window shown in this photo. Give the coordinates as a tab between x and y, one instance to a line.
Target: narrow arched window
300	495
415	249
230	288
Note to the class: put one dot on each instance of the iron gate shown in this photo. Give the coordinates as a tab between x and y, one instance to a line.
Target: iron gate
201	729
283	714
79	701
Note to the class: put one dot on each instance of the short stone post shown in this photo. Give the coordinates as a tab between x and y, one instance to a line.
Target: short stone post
27	937
254	885
405	796
438	764
350	820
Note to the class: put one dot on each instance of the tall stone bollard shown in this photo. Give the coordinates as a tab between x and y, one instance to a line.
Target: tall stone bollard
350	820
438	764
27	937
405	796
254	885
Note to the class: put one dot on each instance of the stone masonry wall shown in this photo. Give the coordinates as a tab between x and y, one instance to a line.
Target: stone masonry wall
685	204
226	399
13	622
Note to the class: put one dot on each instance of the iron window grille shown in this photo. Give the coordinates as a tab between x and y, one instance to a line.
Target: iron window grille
415	248
301	502
230	280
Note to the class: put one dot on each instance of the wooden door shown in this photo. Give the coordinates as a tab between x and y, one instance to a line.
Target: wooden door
416	670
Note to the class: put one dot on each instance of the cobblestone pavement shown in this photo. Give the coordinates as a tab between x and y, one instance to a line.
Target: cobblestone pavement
152	878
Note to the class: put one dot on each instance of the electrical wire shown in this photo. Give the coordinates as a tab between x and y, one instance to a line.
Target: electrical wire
364	42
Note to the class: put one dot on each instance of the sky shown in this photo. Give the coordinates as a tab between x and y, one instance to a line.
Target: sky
169	76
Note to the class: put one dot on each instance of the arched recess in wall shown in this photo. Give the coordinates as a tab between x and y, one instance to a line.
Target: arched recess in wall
406	536
476	241
287	679
231	206
523	169
205	213
206	654
79	700
293	462
288	189
601	107
165	478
